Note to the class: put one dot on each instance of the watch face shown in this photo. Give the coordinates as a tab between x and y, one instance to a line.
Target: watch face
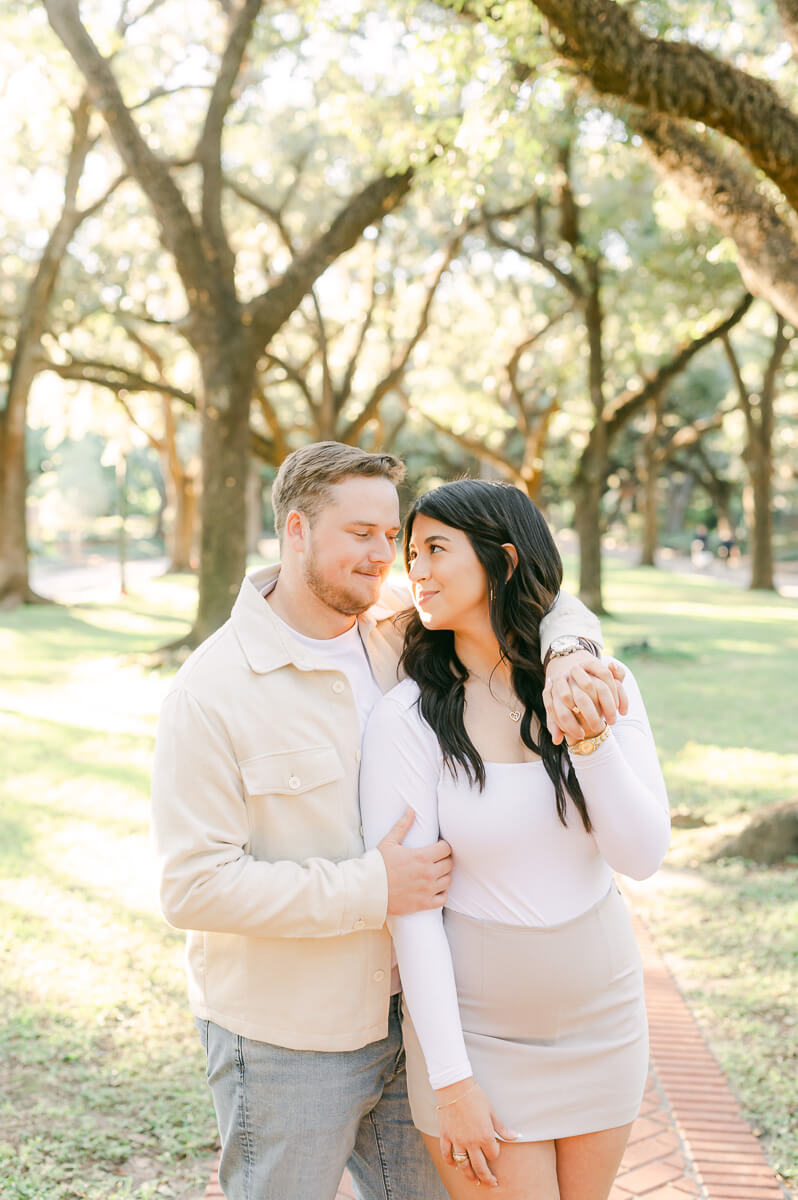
567	642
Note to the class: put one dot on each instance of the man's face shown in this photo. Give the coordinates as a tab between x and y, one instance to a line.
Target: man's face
350	545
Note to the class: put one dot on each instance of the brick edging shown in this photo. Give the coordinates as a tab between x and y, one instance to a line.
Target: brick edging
726	1156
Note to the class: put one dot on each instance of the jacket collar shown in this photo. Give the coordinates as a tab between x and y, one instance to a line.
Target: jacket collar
267	644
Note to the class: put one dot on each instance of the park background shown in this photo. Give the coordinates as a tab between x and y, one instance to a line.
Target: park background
554	243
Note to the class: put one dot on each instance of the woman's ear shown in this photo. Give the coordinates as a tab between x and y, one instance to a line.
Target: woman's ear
512	555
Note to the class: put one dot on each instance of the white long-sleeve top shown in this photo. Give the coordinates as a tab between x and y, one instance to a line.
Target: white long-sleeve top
513	859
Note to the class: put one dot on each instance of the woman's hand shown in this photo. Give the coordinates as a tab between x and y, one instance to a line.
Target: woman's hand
581	693
469	1127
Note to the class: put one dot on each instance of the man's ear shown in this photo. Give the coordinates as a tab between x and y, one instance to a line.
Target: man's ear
296	527
512	555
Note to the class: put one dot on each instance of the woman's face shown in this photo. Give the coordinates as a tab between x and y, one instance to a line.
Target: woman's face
449	584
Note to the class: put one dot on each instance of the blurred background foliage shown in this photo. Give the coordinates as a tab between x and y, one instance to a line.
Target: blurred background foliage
517	310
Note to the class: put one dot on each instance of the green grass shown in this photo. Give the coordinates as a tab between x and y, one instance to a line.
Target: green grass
719	679
102	1089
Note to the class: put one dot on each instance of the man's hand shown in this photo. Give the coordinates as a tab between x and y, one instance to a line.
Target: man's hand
581	693
417	879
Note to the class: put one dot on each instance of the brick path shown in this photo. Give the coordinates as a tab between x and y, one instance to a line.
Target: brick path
690	1141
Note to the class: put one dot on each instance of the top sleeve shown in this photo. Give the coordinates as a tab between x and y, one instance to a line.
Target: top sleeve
568	615
625	792
200	831
400	768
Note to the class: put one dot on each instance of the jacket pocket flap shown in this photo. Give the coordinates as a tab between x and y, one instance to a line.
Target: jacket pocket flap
291	772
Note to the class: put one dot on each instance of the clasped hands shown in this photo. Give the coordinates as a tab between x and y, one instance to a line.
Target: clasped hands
582	692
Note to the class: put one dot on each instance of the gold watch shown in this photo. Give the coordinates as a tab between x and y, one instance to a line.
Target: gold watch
589	744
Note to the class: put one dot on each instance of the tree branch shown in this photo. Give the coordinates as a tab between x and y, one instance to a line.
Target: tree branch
399	365
729	194
539	255
209	146
515	358
267	312
113	377
788	11
679	79
624	406
478	448
177	224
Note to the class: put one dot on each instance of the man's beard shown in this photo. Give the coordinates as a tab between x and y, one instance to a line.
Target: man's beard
336	597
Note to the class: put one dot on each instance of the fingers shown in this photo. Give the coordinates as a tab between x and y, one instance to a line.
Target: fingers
623	700
506	1134
440	850
560	710
479	1166
400	829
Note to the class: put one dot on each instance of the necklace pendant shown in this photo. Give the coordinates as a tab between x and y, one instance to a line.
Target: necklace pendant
515	714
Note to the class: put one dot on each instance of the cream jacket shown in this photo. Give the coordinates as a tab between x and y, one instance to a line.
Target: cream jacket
257	832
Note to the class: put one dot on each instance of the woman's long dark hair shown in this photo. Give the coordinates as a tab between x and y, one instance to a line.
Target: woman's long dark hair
491	515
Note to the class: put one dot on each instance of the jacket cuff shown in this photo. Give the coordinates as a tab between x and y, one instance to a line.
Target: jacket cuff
366	903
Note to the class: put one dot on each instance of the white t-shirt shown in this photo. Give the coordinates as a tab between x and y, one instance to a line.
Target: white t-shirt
513	859
345	653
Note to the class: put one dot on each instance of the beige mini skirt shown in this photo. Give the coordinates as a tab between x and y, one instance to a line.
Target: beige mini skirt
554	1021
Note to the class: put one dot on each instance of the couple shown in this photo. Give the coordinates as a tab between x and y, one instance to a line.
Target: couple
523	1014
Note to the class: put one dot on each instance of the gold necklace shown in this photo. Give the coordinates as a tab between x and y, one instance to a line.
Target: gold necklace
513	711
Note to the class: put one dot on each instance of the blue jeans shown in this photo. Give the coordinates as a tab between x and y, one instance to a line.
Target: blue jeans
291	1120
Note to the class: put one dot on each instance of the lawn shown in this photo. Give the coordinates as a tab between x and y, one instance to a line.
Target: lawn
102	1090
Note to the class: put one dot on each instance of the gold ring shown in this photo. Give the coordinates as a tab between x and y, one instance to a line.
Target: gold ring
458	1158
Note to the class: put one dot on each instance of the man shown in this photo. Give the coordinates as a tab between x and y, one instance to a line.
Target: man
257	830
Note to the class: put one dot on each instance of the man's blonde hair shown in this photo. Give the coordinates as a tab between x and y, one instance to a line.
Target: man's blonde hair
306	476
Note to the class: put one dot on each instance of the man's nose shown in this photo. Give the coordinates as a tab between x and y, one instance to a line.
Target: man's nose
384	550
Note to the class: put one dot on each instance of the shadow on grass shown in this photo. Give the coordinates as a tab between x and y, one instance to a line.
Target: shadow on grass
59	637
70	752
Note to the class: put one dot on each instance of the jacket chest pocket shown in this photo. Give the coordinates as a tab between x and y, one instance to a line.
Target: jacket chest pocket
291	772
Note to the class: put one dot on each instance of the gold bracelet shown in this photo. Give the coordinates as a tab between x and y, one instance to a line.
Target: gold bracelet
589	744
457	1098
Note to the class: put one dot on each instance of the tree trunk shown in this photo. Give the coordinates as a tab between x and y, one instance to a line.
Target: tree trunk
228	380
650	522
182	528
757	503
14	586
587	492
680	491
651	485
592	473
254	509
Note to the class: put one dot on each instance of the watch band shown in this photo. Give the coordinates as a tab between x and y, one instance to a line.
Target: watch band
584	644
589	744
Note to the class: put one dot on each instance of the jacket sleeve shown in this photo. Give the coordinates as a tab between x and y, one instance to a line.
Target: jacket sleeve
568	615
200	830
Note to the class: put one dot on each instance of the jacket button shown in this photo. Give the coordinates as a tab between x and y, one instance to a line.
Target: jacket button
357	756
359	924
294	782
338	686
379	976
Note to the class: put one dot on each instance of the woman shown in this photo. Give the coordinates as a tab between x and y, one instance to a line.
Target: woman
524	1011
